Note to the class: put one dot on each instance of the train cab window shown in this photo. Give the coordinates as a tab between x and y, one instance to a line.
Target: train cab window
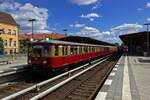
46	51
56	48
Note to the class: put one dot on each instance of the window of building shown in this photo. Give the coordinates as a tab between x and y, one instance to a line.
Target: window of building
10	42
56	48
5	31
5	42
1	31
9	31
14	32
14	43
15	50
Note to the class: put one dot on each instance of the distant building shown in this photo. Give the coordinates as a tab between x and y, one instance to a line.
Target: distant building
25	38
9	31
41	36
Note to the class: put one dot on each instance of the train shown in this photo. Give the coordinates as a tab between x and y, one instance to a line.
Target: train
51	55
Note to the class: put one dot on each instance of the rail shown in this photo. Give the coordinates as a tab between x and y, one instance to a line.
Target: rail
63	82
15	95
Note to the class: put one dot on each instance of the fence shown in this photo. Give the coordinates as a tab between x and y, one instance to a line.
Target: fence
13	58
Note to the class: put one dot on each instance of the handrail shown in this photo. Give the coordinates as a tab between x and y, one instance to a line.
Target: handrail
64	82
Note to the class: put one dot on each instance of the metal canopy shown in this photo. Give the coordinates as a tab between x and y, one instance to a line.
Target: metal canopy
86	40
136	38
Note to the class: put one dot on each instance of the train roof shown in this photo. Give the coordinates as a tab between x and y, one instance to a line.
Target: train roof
86	40
63	42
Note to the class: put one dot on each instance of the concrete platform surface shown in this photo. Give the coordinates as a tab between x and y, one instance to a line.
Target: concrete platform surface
129	80
13	66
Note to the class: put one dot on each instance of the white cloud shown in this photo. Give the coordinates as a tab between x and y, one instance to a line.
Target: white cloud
148	19
140	9
127	28
83	2
90	16
94	7
77	25
93	32
148	4
23	12
109	36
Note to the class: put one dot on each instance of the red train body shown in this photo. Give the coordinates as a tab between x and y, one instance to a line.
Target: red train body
53	54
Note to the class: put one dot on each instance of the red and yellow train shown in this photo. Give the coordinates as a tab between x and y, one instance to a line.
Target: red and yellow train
54	54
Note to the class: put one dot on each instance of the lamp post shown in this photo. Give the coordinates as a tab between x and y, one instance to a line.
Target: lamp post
65	31
147	24
32	21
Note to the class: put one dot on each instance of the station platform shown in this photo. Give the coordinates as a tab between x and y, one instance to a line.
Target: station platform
13	66
129	80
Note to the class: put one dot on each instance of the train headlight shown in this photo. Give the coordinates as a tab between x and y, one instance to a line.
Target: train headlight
44	62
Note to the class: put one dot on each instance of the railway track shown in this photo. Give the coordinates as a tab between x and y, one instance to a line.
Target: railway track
67	84
13	74
16	79
83	87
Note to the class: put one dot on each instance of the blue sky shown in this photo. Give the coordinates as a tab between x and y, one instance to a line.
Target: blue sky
99	19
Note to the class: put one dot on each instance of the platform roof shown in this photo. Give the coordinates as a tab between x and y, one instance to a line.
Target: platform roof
137	38
87	40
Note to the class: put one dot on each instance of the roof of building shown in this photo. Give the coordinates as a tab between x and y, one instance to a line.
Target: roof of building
41	36
137	38
7	19
87	40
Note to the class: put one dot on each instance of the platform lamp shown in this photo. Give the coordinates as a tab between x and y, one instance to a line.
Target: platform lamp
147	24
32	21
65	31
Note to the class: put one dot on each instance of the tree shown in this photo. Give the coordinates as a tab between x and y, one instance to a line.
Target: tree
1	46
116	44
23	45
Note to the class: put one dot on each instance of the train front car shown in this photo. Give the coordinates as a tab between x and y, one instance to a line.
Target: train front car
38	56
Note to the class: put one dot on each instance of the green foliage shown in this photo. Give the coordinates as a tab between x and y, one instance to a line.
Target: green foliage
23	45
116	44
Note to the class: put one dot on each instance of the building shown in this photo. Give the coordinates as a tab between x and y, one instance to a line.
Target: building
137	43
41	36
9	31
24	39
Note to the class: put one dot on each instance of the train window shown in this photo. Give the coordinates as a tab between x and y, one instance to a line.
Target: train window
56	48
73	50
86	49
64	50
80	50
91	49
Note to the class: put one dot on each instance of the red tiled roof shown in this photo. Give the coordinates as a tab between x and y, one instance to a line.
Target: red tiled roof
7	19
41	36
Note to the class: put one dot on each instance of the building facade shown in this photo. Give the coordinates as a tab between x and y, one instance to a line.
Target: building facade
9	31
